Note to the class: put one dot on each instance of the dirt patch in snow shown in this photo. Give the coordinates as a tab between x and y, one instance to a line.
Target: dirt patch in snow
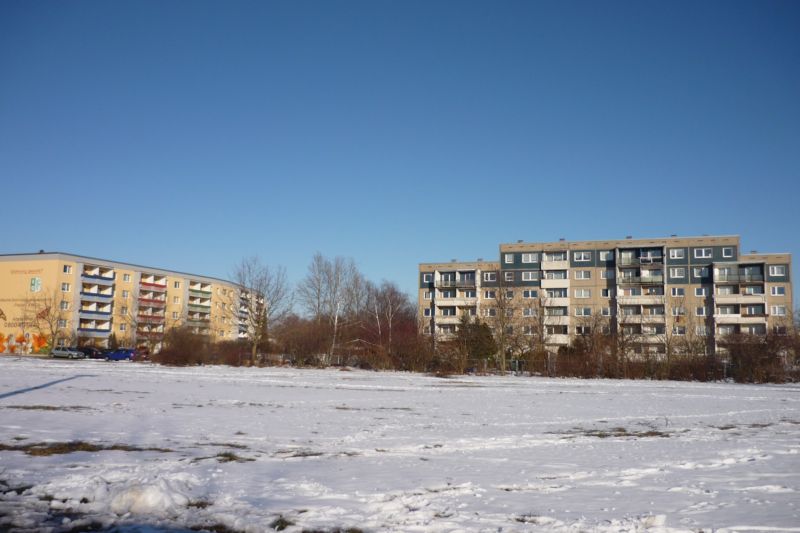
41	449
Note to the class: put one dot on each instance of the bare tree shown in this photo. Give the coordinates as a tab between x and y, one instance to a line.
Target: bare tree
48	316
265	298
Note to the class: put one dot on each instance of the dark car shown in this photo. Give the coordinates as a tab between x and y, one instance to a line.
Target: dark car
91	352
120	354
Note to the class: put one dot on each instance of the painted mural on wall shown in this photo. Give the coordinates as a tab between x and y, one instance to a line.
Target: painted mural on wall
24	343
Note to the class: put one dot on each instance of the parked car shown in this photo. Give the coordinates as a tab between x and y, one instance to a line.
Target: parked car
66	353
120	354
91	352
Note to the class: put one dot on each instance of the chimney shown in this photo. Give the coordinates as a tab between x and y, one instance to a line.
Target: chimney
561	239
519	241
629	236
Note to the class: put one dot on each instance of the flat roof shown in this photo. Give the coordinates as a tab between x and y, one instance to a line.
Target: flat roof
653	241
104	262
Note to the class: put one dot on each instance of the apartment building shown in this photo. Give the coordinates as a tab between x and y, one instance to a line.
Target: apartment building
652	293
55	298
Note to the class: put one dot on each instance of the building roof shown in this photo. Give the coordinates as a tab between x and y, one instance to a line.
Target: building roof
41	256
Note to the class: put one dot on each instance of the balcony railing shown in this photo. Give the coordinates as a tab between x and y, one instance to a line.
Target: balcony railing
154	286
641	280
98	294
644	261
738	278
152	302
457	283
200	293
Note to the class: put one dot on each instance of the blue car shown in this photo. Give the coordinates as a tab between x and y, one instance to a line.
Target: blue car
121	354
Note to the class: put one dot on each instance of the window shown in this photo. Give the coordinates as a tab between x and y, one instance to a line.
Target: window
679	330
530	275
700	311
63	305
607	293
65	287
582	257
583	274
509	312
606	255
702	253
778	310
607	274
779	330
126	277
702	330
678	291
427	278
677	253
725	290
490	312
67	269
489	295
727	252
469	293
528	311
450	293
123	310
700	272
556	293
527	330
425	295
555	274
529	294
701	291
753	289
583	293
678	311
175	314
530	258
490	276
778	290
509	258
605	311
777	270
583	311
125	293
62	323
469	311
583	330
509	276
177	299
448	311
509	295
677	272
123	327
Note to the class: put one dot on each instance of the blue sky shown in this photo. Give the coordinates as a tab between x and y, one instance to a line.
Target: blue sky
187	135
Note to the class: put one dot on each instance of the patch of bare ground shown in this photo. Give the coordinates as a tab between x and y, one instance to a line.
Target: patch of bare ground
42	449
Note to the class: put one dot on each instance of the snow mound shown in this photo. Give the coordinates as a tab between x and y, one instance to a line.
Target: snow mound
162	497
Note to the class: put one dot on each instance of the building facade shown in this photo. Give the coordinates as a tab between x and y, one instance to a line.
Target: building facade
654	294
51	299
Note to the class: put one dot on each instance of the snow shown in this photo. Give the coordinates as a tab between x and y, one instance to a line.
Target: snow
239	448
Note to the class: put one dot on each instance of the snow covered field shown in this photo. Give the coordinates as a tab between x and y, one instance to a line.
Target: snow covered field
91	445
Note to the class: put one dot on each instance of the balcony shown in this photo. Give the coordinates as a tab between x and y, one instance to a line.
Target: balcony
737	278
555	283
641	261
648	299
442	320
740	319
199	293
151	319
561	320
650	319
455	283
641	280
740	298
94	332
548	264
157	287
203	308
448	302
555	302
96	296
557	339
91	315
152	302
99	280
